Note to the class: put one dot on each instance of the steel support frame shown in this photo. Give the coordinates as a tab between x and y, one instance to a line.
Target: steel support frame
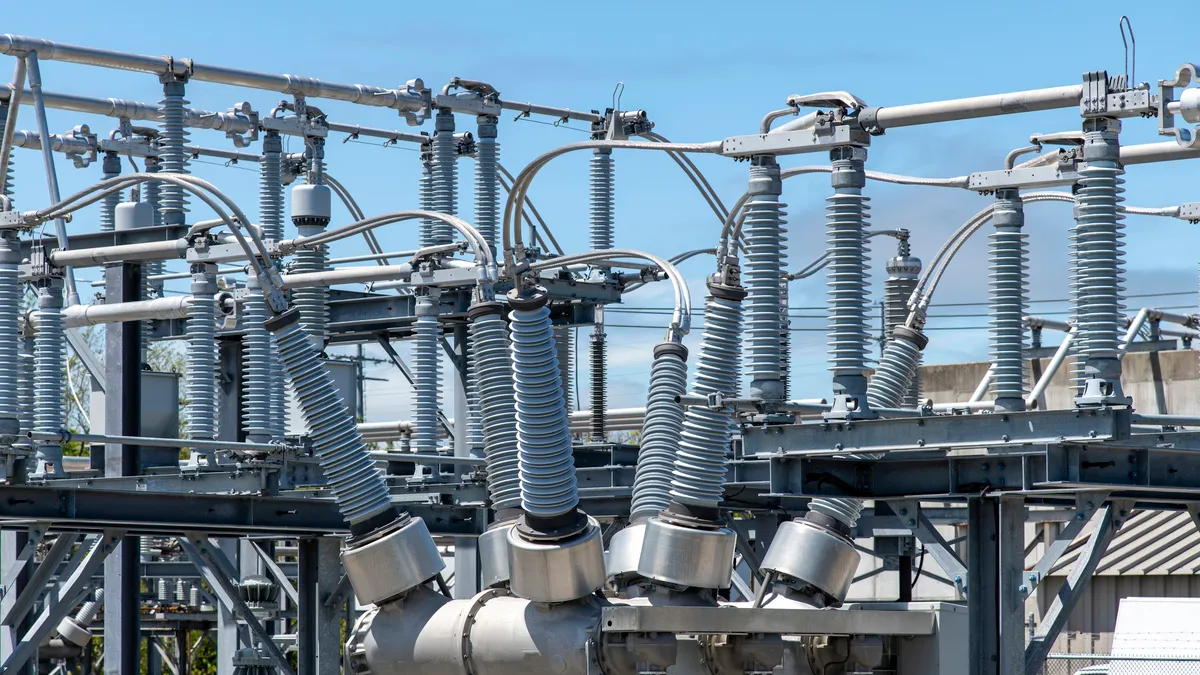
319	627
123	405
983	592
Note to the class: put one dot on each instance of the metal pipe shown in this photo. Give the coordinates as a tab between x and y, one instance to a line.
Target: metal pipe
1166	420
60	224
405	100
95	257
417	458
1135	325
982	388
373	256
10	123
1056	362
346	275
977	106
551	111
141	310
65	436
1156	152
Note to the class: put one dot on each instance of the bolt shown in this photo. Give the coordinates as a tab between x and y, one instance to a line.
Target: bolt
912	522
837	446
1079	516
1004	438
921	442
1023	589
904	512
1090	506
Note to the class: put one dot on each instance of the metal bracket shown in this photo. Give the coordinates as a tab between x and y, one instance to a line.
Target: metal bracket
84	135
912	517
1110	97
244	112
469	102
816	139
1062	173
1188	102
295	126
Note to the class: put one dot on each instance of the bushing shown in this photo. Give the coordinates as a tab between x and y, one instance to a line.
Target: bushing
384	566
806	554
557	570
493	555
686	556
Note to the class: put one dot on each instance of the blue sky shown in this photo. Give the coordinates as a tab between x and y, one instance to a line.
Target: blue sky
704	71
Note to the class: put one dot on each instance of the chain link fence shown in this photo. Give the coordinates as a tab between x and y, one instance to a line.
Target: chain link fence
1107	664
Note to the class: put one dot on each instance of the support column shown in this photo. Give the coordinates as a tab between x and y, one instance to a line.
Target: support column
123	398
227	641
466	550
1013	588
12	542
983	592
318	637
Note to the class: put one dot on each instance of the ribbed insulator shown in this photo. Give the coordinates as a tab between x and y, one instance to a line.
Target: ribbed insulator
662	430
785	340
258	362
89	610
1008	261
427	381
896	290
427	229
49	381
598	358
202	363
444	186
487	193
152	192
845	510
890	384
25	395
358	485
601	189
698	477
492	369
162	592
8	183
547	466
150	289
313	302
11	294
270	187
1100	250
108	205
766	256
847	273
564	346
173	155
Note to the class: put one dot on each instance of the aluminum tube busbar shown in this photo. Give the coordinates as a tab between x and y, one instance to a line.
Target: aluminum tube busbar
977	106
94	257
65	436
400	99
347	275
1056	362
1156	152
141	310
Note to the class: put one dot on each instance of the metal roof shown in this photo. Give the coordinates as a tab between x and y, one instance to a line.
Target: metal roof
1150	542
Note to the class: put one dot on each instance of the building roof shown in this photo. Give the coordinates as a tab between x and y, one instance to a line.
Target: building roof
1149	542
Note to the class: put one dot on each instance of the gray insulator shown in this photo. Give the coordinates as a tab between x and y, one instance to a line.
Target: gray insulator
847	269
145	552
88	611
358	485
427	231
601	190
1008	262
427	376
444	186
785	340
173	155
49	381
11	292
152	192
547	466
904	271
270	187
163	591
564	345
492	371
662	431
1099	250
183	590
25	397
202	355
259	372
487	193
108	205
698	476
765	259
313	302
598	355
891	383
845	510
8	183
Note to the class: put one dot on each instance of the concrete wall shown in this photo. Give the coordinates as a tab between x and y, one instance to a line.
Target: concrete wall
1164	381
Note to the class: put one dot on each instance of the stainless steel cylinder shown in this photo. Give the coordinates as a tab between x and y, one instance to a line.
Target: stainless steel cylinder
557	571
386	566
809	556
684	556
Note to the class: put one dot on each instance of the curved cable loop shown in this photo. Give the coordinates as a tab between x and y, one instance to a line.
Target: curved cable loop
511	238
479	247
674	260
681	317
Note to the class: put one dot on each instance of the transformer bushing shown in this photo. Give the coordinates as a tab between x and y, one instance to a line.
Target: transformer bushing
427	234
1008	261
555	551
598	358
111	167
903	272
487	189
765	260
173	154
427	374
202	357
49	383
491	370
1100	263
271	218
11	292
311	212
847	279
444	185
662	430
892	383
75	629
